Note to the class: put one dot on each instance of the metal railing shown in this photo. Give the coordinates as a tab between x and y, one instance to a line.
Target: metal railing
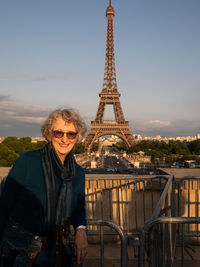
117	231
157	241
188	207
129	205
188	200
175	224
165	258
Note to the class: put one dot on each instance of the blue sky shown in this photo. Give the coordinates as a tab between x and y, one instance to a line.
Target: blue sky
52	55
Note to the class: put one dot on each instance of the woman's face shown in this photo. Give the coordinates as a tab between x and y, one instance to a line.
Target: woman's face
63	145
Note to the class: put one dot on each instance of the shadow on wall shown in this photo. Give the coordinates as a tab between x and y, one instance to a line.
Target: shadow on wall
188	199
129	205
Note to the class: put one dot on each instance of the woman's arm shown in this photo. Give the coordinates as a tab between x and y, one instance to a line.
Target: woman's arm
11	189
81	245
79	219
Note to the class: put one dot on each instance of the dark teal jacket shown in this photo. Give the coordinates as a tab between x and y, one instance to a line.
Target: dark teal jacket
24	195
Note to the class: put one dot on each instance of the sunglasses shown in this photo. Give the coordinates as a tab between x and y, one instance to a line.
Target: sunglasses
60	134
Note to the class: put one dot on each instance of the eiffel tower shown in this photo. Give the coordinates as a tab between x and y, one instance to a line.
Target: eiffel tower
109	96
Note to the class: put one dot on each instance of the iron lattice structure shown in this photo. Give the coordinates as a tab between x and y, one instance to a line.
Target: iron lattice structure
109	96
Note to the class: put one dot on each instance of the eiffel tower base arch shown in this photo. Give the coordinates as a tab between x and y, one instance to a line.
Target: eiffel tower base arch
97	130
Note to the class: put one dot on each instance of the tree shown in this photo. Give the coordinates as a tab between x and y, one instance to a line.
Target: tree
95	147
14	144
12	157
194	147
120	146
25	140
159	150
78	148
12	147
7	156
38	145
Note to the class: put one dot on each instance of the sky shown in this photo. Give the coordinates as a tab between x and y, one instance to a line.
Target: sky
52	55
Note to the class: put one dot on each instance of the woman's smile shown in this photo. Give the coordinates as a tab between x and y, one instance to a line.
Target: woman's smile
63	145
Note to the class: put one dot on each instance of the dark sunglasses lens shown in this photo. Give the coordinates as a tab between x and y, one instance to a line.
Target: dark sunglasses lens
58	134
71	135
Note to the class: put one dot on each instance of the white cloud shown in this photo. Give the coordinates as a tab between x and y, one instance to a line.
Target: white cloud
157	123
25	120
29	119
42	77
4	97
166	128
48	77
19	119
143	125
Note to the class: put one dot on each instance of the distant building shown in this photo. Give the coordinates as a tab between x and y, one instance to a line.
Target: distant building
33	139
137	158
1	139
167	139
36	139
93	164
137	137
113	139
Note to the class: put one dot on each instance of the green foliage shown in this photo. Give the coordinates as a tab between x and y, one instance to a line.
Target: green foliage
38	145
179	148
12	147
7	155
14	144
195	147
95	147
120	146
25	140
170	159
78	148
168	152
156	156
26	143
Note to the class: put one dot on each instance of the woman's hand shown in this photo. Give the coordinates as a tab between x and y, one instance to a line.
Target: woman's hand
81	245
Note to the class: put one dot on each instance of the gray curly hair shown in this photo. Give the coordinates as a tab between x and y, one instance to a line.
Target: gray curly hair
68	115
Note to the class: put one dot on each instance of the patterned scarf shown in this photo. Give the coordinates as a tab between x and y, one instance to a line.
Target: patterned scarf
58	209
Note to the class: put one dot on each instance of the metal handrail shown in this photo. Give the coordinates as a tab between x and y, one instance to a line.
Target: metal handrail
185	178
134	182
162	198
154	219
119	231
163	220
119	202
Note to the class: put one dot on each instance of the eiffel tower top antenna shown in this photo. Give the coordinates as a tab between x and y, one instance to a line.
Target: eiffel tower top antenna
109	79
110	10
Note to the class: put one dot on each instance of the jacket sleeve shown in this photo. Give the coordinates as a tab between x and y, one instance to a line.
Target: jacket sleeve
79	213
11	189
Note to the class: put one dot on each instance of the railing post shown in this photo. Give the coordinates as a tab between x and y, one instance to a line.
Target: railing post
119	231
164	202
102	245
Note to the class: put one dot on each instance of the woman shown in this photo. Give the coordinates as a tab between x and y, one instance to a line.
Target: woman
43	195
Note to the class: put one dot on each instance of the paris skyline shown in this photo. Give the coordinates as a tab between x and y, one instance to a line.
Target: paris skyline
52	55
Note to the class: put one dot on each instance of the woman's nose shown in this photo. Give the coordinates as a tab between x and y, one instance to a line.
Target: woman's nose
64	138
